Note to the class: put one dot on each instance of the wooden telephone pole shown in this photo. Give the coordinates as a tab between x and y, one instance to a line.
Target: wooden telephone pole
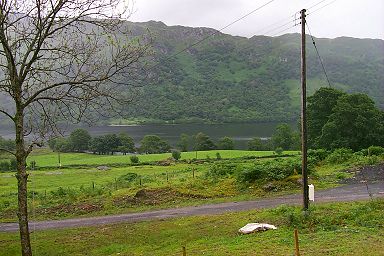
304	169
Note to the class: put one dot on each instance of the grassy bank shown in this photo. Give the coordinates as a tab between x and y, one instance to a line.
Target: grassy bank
329	229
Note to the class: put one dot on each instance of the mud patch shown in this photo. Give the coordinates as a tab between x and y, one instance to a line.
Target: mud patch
154	197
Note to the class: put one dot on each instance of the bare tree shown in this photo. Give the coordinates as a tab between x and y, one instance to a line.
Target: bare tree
59	59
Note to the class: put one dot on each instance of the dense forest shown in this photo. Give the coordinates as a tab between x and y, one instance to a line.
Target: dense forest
235	79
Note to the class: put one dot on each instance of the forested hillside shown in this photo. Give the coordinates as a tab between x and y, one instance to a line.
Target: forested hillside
235	79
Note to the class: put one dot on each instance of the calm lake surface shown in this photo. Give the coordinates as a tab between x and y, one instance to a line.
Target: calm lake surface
241	133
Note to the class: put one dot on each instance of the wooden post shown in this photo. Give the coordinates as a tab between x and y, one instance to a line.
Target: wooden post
304	170
184	251
297	251
93	185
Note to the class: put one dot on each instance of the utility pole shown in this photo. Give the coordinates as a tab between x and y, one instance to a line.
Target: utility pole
304	169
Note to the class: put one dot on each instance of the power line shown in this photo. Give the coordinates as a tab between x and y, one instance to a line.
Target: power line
214	33
318	9
316	4
318	54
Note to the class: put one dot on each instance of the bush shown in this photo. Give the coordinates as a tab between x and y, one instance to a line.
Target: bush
218	156
317	155
375	150
276	169
339	156
176	154
4	166
134	159
221	170
279	151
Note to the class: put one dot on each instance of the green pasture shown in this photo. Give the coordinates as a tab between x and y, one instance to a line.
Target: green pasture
51	159
329	229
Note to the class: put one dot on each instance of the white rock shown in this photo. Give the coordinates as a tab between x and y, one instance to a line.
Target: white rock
255	227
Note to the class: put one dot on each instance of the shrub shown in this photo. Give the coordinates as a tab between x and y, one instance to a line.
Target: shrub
339	156
176	154
129	177
375	150
221	170
218	156
279	151
134	159
276	169
4	166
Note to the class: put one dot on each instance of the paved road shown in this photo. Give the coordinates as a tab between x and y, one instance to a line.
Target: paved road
353	192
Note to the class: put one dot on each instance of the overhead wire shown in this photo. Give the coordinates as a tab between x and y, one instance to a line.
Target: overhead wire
318	54
214	33
318	9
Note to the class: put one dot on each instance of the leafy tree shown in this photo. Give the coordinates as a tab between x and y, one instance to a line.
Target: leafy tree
255	144
355	123
80	139
176	154
98	145
126	144
284	137
203	142
183	143
153	144
319	109
57	60
226	143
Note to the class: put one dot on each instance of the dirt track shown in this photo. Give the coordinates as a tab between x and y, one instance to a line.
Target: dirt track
356	189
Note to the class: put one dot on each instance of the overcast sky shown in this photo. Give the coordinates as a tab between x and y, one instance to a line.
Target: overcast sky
354	18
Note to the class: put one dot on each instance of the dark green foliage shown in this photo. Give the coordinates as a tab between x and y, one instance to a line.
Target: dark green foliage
226	143
176	154
4	166
355	123
153	144
79	140
203	142
233	79
375	151
134	159
218	156
256	144
285	137
317	155
276	169
279	151
184	142
125	144
319	109
340	155
220	170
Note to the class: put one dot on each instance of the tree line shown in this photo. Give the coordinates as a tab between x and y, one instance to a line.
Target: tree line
81	141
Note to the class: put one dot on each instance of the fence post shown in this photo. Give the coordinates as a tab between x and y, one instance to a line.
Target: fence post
184	251
297	251
93	185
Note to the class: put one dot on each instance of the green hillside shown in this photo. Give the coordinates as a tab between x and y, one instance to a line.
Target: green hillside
235	79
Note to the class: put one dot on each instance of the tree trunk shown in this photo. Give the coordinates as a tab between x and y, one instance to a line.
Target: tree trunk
22	178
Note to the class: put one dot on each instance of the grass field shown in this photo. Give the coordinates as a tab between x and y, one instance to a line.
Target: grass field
329	229
50	159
